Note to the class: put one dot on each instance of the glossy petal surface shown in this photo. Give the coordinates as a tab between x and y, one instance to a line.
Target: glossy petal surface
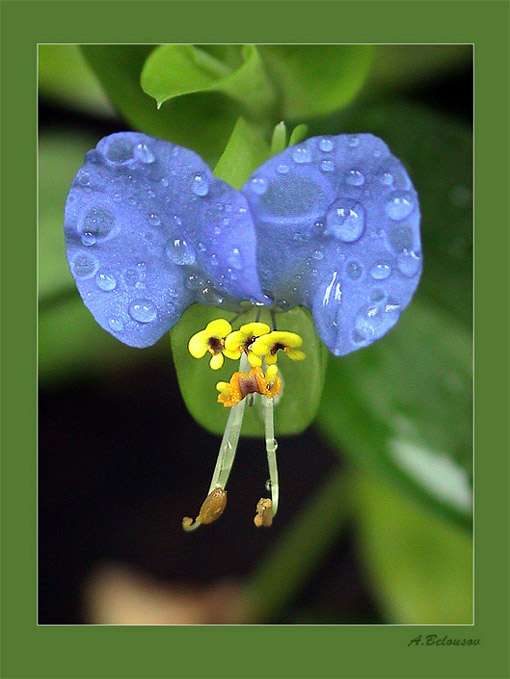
149	231
337	222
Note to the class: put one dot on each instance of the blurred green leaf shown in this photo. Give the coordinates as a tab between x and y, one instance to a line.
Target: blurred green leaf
315	80
397	66
60	157
71	343
279	138
245	151
299	133
175	70
197	381
201	121
403	407
65	76
420	566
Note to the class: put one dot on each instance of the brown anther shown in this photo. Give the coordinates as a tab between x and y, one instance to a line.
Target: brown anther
264	515
213	506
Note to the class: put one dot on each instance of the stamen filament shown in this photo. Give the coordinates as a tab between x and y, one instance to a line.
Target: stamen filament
271	447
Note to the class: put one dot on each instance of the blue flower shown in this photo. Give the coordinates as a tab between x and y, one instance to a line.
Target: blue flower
331	224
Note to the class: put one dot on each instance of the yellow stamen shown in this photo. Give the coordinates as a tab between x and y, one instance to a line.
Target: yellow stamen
264	515
212	508
269	345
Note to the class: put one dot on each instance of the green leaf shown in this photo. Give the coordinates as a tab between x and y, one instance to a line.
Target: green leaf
316	80
60	157
245	152
175	70
420	566
403	408
201	121
65	76
299	133
303	380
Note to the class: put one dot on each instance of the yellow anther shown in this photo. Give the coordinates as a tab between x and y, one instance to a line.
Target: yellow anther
268	346
271	373
242	339
241	384
212	340
264	515
212	508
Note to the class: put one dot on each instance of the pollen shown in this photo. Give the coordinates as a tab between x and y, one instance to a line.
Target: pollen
242	384
269	345
212	340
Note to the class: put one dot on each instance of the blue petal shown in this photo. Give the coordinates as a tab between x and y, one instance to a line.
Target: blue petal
337	222
149	231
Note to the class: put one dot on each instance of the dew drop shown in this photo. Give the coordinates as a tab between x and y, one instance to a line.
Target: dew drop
98	223
117	197
387	179
193	282
154	219
346	220
151	193
355	178
180	252
268	485
88	239
131	277
400	237
142	311
214	260
119	151
282	169
164	182
400	206
116	325
353	141
84	179
409	263
84	265
144	154
326	145
354	270
381	271
258	185
200	186
106	281
235	259
317	254
327	166
300	154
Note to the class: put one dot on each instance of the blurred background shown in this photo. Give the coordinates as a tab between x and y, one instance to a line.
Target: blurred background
375	520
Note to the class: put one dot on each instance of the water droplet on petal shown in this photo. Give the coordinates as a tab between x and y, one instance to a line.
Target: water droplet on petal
353	141
400	206
354	270
142	311
154	219
235	259
88	239
317	254
180	252
381	271
84	265
326	145
98	222
106	281
116	325
282	169
409	263
117	197
193	282
327	166
214	259
200	186
120	150
164	182
355	178
258	185
144	154
300	154
346	220
400	237
387	178
84	179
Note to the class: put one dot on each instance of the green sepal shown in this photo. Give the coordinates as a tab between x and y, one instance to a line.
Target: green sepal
303	380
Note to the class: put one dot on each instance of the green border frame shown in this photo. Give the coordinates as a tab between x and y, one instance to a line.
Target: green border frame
270	651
